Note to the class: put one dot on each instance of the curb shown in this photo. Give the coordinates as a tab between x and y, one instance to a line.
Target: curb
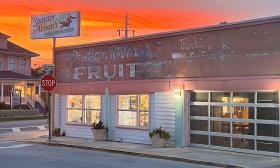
147	155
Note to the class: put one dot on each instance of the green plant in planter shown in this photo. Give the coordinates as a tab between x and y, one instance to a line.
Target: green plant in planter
99	131
98	125
161	132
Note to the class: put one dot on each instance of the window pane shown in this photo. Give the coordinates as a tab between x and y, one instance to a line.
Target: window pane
198	110
22	63
268	130
199	125
243	112
199	139
268	97
199	96
243	143
127	102
144	103
75	101
92	102
144	118
220	126
243	128
220	111
75	115
269	146
127	118
12	64
92	116
267	113
1	63
220	141
243	97
220	97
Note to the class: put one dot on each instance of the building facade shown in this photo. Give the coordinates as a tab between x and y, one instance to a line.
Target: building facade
15	73
215	87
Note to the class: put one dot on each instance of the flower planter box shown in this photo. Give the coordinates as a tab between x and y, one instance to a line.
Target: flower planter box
99	134
158	142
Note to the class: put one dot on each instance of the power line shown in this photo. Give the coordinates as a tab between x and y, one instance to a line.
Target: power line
150	22
67	5
26	7
99	20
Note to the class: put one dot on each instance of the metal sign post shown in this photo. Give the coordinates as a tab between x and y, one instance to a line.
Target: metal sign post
49	115
48	82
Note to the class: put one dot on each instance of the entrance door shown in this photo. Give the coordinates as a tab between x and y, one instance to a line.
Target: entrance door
237	121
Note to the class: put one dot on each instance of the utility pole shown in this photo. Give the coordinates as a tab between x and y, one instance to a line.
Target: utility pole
126	29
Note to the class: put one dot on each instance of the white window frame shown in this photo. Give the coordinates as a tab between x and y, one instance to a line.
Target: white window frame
9	63
83	110
20	66
137	111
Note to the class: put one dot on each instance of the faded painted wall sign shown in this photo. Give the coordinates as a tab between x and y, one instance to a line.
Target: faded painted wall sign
240	51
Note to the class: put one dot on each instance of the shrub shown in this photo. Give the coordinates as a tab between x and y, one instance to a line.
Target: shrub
98	125
4	106
58	132
161	132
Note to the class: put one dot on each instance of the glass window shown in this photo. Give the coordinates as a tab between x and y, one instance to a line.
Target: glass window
220	126
199	110
220	97
144	110
92	108
199	139
268	130
127	102
7	90
74	103
243	143
1	62
133	110
270	146
220	141
243	112
268	97
199	125
220	111
243	97
268	113
12	64
84	109
243	128
199	96
23	63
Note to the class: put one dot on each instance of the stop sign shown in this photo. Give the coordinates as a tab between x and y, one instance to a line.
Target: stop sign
48	82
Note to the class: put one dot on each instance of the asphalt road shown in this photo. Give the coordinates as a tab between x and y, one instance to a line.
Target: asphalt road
23	123
19	155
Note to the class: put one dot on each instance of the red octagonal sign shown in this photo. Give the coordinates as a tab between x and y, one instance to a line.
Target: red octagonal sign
48	82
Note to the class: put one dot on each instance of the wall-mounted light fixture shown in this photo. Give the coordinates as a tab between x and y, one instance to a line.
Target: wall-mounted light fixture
177	92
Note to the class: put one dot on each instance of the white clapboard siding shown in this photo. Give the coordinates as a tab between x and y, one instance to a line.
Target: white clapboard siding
123	134
164	115
57	115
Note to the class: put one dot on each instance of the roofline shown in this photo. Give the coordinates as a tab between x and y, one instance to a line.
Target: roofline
4	35
24	54
245	23
33	79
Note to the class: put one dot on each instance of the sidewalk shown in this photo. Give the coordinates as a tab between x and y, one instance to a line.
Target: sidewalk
187	154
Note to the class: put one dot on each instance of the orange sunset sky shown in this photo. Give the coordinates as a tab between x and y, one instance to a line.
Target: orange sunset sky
101	18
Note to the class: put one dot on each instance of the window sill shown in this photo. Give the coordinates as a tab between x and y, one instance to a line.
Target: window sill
78	124
131	128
